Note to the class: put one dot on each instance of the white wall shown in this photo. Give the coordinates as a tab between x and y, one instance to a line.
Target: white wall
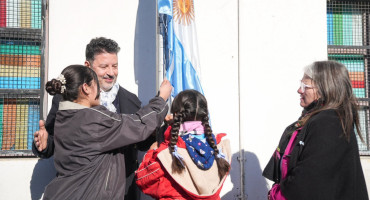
276	40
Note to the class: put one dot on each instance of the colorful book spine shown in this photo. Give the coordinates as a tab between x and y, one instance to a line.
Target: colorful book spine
330	26
19	42
345	56
347	26
21	60
357	76
356	68
359	92
338	27
12	13
19	49
9	120
358	84
354	65
1	121
2	13
26	13
362	120
36	14
357	28
19	71
21	129
19	83
33	120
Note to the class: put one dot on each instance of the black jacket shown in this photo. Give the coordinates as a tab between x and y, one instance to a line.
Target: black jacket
87	155
125	103
323	164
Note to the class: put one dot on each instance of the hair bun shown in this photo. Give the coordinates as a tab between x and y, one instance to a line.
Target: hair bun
54	87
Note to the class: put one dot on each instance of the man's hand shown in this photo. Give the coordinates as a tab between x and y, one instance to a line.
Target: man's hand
169	119
41	137
165	89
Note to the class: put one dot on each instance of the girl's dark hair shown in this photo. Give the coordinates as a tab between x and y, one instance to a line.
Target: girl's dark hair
190	105
75	76
335	89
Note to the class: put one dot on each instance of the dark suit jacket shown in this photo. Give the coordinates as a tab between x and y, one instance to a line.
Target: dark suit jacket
322	165
125	103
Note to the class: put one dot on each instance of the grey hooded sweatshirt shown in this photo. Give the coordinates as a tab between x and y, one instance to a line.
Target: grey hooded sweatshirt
87	156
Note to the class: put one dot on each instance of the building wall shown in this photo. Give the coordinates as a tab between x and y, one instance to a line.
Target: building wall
277	39
250	65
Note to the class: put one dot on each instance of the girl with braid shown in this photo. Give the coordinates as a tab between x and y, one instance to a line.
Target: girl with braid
192	162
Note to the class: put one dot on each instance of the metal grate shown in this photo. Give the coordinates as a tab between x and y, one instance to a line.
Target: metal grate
348	43
21	74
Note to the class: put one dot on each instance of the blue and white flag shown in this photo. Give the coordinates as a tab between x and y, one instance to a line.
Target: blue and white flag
181	56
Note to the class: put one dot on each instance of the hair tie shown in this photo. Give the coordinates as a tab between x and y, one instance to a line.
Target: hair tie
220	154
63	81
177	155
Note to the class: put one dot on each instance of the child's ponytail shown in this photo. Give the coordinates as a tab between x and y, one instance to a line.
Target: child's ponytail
222	165
177	166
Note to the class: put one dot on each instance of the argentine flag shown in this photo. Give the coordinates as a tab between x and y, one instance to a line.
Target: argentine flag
181	56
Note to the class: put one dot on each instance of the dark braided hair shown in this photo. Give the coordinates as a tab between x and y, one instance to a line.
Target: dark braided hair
190	105
75	76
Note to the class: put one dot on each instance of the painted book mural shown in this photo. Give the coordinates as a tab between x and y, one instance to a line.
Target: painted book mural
20	72
347	34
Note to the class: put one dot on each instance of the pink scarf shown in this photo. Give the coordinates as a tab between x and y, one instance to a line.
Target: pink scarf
193	127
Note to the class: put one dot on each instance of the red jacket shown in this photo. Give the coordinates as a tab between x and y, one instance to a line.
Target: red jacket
155	177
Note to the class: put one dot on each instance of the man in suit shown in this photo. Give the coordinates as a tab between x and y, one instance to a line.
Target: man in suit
101	56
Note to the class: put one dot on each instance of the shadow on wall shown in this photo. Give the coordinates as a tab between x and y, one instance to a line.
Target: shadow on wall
256	187
43	173
145	50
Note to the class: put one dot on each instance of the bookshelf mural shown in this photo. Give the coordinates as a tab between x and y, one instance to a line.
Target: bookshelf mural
348	43
21	44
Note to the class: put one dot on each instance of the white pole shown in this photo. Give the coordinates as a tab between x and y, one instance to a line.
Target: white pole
241	157
159	51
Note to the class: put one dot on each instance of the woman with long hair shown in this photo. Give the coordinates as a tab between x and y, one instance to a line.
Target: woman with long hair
317	156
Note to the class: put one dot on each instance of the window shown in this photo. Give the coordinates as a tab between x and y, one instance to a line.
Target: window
348	43
22	43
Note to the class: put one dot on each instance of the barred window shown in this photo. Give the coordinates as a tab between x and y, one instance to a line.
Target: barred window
348	43
22	43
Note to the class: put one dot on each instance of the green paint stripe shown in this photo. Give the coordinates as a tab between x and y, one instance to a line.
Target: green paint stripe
338	26
19	49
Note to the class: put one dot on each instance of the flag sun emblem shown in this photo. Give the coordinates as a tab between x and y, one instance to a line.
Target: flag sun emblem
183	11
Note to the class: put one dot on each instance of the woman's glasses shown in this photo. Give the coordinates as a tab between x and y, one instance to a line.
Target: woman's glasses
304	86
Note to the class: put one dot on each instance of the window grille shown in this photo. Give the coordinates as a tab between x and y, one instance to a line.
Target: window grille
348	43
22	66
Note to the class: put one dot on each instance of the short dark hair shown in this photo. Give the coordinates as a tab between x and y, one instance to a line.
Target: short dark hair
75	76
100	45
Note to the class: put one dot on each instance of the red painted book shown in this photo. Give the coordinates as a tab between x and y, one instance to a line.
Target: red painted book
358	84
2	13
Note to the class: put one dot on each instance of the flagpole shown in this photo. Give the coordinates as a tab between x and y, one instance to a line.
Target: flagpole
159	50
161	63
241	157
